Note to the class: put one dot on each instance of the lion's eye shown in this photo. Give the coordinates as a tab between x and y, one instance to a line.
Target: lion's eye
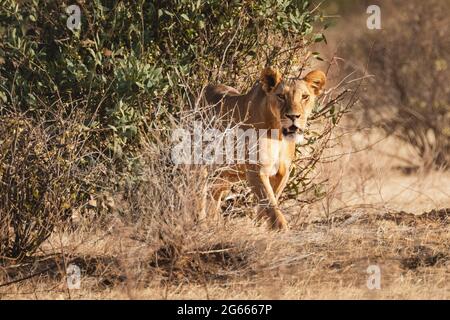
281	96
305	97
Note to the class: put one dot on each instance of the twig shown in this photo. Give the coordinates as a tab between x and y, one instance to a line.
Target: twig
27	277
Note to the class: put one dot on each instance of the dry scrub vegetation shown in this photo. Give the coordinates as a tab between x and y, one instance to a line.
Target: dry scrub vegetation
123	213
375	214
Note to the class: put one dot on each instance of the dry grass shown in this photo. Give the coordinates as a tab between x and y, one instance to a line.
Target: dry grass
370	217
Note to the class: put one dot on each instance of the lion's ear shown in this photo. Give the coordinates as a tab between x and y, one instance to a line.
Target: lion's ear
316	80
270	79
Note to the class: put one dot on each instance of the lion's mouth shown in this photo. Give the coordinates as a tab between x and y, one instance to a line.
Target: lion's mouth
292	130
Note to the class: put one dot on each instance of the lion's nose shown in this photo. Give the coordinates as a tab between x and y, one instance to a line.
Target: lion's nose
293	116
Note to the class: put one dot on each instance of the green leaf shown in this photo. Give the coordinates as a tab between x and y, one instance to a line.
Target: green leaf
185	17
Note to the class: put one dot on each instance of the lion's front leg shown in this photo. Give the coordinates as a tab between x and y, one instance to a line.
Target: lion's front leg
279	182
267	202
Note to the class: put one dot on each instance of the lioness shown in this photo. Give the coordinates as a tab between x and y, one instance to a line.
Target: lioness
272	103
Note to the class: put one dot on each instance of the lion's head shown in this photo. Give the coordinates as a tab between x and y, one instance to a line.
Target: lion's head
291	101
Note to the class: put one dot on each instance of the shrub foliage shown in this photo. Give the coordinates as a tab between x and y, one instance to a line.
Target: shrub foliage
74	100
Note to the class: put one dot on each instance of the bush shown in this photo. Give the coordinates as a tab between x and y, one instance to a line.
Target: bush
131	60
132	69
44	172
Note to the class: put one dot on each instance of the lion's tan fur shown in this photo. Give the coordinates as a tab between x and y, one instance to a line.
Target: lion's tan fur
272	103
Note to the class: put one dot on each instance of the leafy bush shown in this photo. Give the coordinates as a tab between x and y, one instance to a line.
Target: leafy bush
130	59
131	69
